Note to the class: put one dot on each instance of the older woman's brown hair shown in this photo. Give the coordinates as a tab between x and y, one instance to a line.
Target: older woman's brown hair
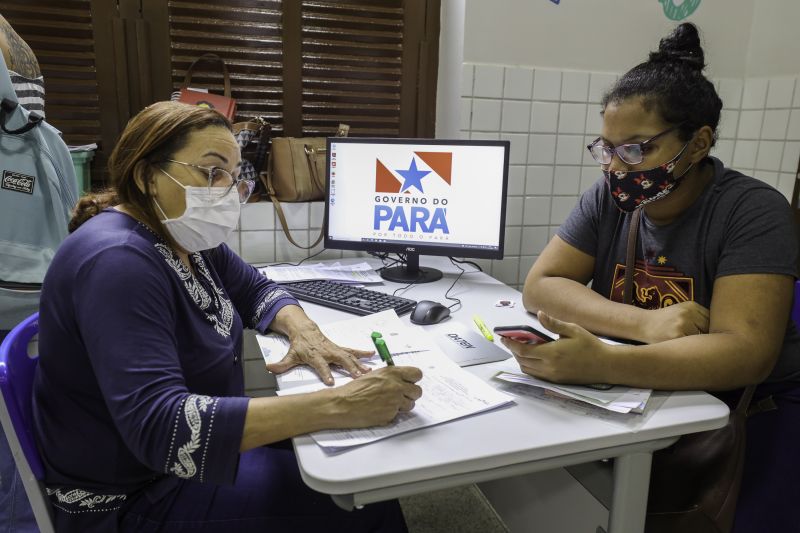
150	138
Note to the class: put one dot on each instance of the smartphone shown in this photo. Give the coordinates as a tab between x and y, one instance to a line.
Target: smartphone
525	334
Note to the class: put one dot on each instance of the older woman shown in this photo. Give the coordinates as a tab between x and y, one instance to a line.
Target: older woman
139	404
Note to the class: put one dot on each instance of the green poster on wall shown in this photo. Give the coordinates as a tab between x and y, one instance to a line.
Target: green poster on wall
677	10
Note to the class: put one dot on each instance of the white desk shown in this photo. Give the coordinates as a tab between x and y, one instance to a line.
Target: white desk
527	437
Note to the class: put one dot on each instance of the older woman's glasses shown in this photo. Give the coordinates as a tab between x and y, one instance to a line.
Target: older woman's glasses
633	153
220	181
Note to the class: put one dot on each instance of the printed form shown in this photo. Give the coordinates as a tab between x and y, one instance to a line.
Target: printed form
448	391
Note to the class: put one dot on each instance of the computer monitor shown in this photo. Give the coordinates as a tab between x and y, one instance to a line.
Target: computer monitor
415	197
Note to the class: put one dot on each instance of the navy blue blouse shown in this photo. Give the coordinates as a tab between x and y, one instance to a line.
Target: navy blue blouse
140	371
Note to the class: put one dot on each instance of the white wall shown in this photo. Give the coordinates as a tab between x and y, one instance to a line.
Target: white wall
607	35
774	47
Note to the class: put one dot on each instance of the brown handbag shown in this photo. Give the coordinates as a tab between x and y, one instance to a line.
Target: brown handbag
224	104
694	483
296	173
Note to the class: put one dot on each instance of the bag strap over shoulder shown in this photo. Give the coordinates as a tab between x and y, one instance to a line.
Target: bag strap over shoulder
226	78
630	257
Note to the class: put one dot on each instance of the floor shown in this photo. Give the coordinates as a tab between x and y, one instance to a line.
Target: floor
462	510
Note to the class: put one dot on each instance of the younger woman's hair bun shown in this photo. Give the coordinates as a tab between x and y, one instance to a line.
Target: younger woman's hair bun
682	45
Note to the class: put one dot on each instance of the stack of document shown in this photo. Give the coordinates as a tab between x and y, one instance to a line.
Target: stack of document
448	392
360	273
617	399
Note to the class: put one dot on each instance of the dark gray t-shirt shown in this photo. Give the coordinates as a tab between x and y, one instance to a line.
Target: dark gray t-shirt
739	225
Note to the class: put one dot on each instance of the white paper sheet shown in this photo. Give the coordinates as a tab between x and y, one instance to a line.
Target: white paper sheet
358	273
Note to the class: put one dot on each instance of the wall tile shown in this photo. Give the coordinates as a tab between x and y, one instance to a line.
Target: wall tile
599	83
537	211
544	117
539	180
488	81
257	216
572	118
513	240
234	243
567	180
519	147
775	122
570	150
514	211
464	134
585	155
779	92
793	133
316	215
791	157
561	208
484	136
723	151
286	251
485	115
541	149
552	230
534	239
466	113
594	122
518	83
796	101
506	270
546	84
296	215
575	86
755	93
728	124
750	124
516	116
516	180
769	155
730	91
467	78
744	155
589	176
786	184
770	178
258	246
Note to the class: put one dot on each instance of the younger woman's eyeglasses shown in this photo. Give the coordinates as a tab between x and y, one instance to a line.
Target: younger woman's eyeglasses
220	181
633	153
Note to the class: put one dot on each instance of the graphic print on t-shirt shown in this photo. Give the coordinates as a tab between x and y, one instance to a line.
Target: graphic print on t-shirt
654	286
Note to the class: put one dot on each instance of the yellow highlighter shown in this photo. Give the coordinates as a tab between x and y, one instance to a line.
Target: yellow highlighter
481	326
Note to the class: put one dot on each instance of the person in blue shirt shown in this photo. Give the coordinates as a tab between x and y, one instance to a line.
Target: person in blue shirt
715	267
139	402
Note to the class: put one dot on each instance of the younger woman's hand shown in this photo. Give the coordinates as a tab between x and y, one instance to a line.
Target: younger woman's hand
576	357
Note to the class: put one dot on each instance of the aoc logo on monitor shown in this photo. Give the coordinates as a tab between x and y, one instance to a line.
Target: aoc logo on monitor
401	200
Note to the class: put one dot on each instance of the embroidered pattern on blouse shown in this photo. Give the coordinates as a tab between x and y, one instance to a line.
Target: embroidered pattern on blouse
83	501
194	405
276	294
217	309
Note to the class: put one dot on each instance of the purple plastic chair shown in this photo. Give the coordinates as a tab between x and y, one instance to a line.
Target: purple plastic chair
16	385
796	304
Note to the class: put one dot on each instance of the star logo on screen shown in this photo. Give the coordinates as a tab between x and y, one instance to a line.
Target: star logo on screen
410	179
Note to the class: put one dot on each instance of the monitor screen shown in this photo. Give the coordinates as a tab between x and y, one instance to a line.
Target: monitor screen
416	196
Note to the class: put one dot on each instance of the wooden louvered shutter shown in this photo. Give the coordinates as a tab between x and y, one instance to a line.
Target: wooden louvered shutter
308	65
61	35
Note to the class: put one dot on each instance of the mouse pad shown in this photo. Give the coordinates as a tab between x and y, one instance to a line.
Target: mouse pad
465	345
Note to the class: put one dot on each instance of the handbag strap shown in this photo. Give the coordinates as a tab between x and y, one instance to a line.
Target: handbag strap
311	158
627	297
264	138
630	257
282	217
226	78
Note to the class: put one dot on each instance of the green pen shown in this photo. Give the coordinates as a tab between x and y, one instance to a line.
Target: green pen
383	351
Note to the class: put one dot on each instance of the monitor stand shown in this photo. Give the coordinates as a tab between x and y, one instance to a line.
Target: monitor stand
411	272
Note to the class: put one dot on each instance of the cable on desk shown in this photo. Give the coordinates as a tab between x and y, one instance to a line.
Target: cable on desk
294	264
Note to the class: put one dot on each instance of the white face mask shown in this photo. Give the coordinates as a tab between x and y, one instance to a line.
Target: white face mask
208	221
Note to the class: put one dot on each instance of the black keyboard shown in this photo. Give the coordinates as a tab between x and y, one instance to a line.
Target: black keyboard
356	300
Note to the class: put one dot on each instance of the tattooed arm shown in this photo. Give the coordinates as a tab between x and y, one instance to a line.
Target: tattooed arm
18	55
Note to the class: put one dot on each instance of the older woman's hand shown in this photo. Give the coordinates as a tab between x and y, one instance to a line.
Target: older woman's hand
308	346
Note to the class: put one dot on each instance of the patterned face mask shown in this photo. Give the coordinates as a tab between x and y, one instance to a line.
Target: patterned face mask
635	188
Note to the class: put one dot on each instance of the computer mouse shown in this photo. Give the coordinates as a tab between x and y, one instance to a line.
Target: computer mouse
429	312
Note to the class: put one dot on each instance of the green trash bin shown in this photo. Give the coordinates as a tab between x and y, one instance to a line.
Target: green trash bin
82	161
